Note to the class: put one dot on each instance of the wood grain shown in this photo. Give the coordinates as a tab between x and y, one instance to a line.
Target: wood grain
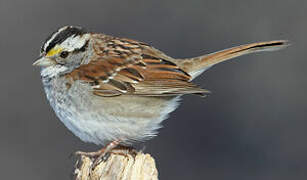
118	167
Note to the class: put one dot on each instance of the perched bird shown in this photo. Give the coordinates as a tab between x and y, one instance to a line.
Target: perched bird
115	91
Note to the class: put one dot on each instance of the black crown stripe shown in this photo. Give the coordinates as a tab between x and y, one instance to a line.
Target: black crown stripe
62	36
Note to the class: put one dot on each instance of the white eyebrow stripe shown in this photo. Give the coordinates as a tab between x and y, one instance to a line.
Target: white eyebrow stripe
50	40
53	36
74	42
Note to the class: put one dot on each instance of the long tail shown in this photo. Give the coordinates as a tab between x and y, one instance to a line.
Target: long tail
195	66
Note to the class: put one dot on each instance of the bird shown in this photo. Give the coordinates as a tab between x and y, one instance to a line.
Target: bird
114	91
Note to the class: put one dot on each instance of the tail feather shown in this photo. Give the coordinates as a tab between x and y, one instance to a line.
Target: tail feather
195	66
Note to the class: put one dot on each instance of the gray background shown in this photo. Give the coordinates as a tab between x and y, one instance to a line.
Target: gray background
251	127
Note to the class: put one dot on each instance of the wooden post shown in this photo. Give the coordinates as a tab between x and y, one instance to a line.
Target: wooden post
137	166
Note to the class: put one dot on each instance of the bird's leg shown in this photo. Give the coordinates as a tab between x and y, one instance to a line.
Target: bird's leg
99	154
113	147
108	148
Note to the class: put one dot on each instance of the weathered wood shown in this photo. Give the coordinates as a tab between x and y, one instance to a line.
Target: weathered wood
137	166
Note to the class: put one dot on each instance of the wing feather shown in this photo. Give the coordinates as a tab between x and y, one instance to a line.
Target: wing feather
145	72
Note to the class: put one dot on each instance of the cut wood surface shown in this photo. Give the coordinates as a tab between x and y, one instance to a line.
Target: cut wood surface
137	166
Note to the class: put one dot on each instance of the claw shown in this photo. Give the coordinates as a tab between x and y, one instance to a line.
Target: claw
103	154
99	155
90	154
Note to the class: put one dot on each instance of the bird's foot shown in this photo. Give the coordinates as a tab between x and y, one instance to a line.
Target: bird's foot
90	154
99	155
124	151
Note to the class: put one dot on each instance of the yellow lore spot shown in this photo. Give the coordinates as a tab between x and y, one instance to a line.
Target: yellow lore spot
54	51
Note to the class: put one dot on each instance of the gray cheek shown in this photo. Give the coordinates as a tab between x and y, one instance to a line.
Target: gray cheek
60	60
74	59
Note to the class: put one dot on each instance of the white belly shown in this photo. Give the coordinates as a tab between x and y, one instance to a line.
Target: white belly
103	119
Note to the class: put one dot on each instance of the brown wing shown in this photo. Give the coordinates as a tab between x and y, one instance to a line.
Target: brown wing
135	68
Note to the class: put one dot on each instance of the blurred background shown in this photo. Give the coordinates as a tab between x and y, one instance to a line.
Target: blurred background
253	125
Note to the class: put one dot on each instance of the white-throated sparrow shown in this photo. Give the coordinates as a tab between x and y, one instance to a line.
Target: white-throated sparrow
115	91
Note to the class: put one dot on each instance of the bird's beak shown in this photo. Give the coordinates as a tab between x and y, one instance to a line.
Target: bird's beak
44	62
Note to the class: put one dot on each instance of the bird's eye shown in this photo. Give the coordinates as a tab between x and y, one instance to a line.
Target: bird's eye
64	54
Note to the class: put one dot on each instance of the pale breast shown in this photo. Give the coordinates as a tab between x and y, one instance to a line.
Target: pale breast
99	120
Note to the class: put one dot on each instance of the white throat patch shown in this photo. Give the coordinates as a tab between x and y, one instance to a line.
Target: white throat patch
52	71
